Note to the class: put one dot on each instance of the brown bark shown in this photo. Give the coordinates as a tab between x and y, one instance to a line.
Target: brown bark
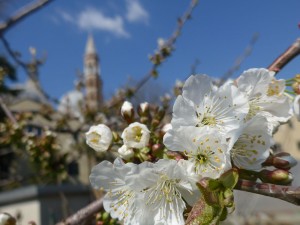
286	57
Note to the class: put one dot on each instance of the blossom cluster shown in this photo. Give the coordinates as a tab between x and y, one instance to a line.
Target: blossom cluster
213	128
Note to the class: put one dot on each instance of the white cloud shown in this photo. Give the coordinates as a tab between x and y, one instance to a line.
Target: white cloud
136	12
93	19
66	16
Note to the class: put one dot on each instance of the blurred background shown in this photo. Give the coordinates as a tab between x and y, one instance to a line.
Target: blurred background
70	64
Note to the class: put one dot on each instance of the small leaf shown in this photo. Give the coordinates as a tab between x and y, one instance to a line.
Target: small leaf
229	178
214	185
204	214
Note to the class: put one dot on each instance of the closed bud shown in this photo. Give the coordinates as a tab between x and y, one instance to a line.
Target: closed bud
144	119
296	87
155	123
7	219
116	136
143	109
284	162
157	148
127	112
160	113
278	176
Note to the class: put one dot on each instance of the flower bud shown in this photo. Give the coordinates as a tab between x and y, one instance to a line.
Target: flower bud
284	162
136	135
7	219
296	87
99	137
125	152
143	109
278	176
296	107
127	112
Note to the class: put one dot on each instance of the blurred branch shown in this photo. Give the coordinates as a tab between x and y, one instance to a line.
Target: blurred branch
286	193
22	14
7	111
27	67
163	53
286	57
83	214
240	59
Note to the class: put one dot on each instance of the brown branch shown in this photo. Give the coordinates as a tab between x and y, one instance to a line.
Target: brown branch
240	59
169	44
285	193
83	214
26	68
7	111
22	14
286	57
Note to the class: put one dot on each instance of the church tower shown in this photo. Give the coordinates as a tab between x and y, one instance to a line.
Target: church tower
93	82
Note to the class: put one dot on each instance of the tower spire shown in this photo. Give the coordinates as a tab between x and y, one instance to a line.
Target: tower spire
90	46
93	82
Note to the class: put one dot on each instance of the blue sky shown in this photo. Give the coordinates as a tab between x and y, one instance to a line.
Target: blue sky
126	32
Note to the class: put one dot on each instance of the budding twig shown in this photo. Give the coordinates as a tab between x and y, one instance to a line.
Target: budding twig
22	14
285	193
83	214
168	44
286	57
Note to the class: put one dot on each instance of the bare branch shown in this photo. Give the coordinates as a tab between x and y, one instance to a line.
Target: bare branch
7	111
286	57
83	214
240	59
286	193
169	44
27	68
22	14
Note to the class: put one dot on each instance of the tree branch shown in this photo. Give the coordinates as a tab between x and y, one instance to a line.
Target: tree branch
22	14
286	57
161	55
85	213
285	193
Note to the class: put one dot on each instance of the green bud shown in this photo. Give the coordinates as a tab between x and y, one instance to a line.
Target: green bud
278	176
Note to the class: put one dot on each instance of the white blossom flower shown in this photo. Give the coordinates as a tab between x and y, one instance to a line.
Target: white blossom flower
204	147
251	148
127	109
136	135
99	137
265	95
296	107
125	152
121	197
166	192
203	104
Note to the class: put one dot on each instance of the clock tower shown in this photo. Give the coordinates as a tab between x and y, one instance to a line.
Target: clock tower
93	82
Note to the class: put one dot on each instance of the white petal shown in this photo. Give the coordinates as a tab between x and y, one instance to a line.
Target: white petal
196	86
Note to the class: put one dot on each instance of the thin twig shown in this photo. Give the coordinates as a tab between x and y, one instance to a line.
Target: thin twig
286	193
286	57
26	68
22	14
240	59
169	44
85	213
7	111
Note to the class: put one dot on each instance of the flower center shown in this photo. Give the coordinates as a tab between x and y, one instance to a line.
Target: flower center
138	133
209	120
95	137
253	110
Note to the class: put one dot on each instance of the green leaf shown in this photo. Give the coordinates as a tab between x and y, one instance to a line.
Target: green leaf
214	185
204	214
229	178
